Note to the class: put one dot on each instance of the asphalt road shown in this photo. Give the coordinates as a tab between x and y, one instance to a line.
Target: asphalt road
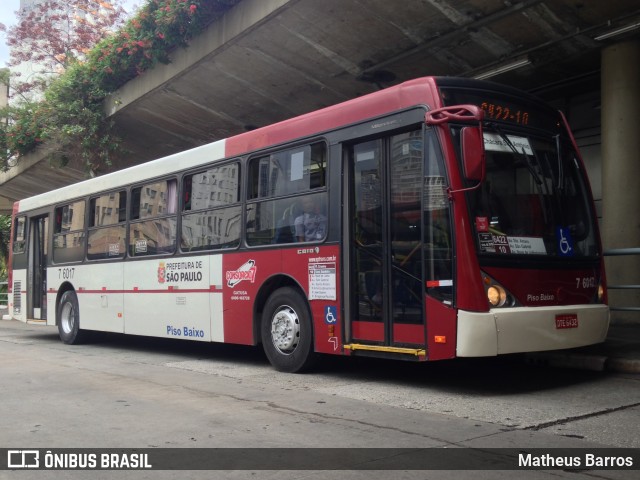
134	392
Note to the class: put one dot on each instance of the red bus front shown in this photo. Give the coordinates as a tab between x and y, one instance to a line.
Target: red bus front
529	270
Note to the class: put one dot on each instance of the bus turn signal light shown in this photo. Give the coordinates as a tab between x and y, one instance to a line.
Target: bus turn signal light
440	339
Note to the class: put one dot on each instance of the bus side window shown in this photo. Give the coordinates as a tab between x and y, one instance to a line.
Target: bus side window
279	186
19	235
152	227
438	245
106	235
68	233
211	217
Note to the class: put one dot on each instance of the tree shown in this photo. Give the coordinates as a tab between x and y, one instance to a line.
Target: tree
70	114
51	35
5	233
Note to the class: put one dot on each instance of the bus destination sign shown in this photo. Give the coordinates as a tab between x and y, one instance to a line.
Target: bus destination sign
501	107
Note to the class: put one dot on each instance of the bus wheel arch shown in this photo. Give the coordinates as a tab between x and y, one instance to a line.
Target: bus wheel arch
68	316
286	328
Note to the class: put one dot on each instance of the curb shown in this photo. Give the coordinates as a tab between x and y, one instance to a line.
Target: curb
592	362
623	365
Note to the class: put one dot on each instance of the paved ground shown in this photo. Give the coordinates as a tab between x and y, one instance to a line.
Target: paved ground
619	353
147	393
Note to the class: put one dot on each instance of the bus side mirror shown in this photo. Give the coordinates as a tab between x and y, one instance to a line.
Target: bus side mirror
472	139
473	153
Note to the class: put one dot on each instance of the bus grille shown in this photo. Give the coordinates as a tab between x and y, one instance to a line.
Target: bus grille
17	297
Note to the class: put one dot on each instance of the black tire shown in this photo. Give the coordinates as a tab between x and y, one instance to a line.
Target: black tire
286	331
68	315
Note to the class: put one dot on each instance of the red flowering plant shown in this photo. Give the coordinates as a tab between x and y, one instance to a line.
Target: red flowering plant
147	39
71	113
48	38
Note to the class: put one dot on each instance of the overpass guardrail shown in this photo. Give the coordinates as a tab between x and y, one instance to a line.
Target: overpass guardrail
4	299
617	252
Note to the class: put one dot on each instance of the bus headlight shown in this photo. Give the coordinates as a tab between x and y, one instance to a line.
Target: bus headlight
496	295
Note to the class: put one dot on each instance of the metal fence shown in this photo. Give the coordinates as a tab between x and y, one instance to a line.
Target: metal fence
618	252
4	297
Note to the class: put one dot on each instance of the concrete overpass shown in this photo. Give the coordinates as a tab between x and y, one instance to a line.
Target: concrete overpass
267	60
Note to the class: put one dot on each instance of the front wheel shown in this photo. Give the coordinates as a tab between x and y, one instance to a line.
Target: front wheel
286	331
69	319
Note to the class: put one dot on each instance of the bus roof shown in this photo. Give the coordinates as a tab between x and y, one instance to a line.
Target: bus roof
421	91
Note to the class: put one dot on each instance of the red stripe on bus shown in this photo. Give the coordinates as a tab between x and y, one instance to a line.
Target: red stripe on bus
368	106
212	288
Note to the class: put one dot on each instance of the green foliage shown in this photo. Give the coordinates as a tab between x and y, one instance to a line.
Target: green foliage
71	113
5	232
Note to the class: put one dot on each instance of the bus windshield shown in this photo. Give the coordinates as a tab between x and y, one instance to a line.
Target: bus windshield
534	200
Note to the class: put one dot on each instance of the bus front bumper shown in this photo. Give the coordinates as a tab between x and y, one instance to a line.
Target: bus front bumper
515	330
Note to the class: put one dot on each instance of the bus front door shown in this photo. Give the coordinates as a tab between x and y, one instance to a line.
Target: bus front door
385	231
37	268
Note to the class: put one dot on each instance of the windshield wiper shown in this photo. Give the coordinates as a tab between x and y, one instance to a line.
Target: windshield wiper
560	166
532	170
521	155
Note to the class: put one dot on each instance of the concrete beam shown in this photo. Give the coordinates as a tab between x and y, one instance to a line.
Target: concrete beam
34	175
240	20
6	206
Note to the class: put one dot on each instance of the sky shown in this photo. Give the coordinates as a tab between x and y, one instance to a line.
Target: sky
8	17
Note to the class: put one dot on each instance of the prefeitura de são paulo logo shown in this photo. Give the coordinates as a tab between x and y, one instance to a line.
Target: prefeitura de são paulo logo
161	272
247	271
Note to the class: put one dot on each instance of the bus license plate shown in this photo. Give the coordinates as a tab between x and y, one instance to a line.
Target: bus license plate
567	321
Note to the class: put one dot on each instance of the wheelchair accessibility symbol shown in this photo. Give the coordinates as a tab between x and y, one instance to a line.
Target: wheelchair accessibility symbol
565	242
331	315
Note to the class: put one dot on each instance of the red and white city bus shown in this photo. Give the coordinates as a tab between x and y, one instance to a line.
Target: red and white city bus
435	219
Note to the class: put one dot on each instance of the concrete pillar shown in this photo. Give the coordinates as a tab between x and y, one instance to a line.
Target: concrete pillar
621	170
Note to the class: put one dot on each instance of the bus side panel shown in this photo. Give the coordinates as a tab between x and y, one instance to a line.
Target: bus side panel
314	268
168	297
318	270
216	282
441	330
18	297
99	290
244	273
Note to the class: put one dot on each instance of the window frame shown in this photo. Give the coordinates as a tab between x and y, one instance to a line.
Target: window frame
168	215
57	234
253	202
238	203
121	224
14	240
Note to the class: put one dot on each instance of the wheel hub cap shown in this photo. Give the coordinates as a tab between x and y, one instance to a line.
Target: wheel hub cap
285	330
67	318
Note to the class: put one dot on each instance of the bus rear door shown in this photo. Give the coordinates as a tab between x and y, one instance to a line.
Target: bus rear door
37	268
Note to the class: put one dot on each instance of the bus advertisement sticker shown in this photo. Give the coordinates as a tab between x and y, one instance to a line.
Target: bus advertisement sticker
486	243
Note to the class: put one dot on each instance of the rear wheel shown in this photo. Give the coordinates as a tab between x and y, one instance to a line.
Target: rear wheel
286	331
69	319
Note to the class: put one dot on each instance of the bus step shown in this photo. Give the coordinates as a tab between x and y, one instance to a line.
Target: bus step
36	321
419	353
